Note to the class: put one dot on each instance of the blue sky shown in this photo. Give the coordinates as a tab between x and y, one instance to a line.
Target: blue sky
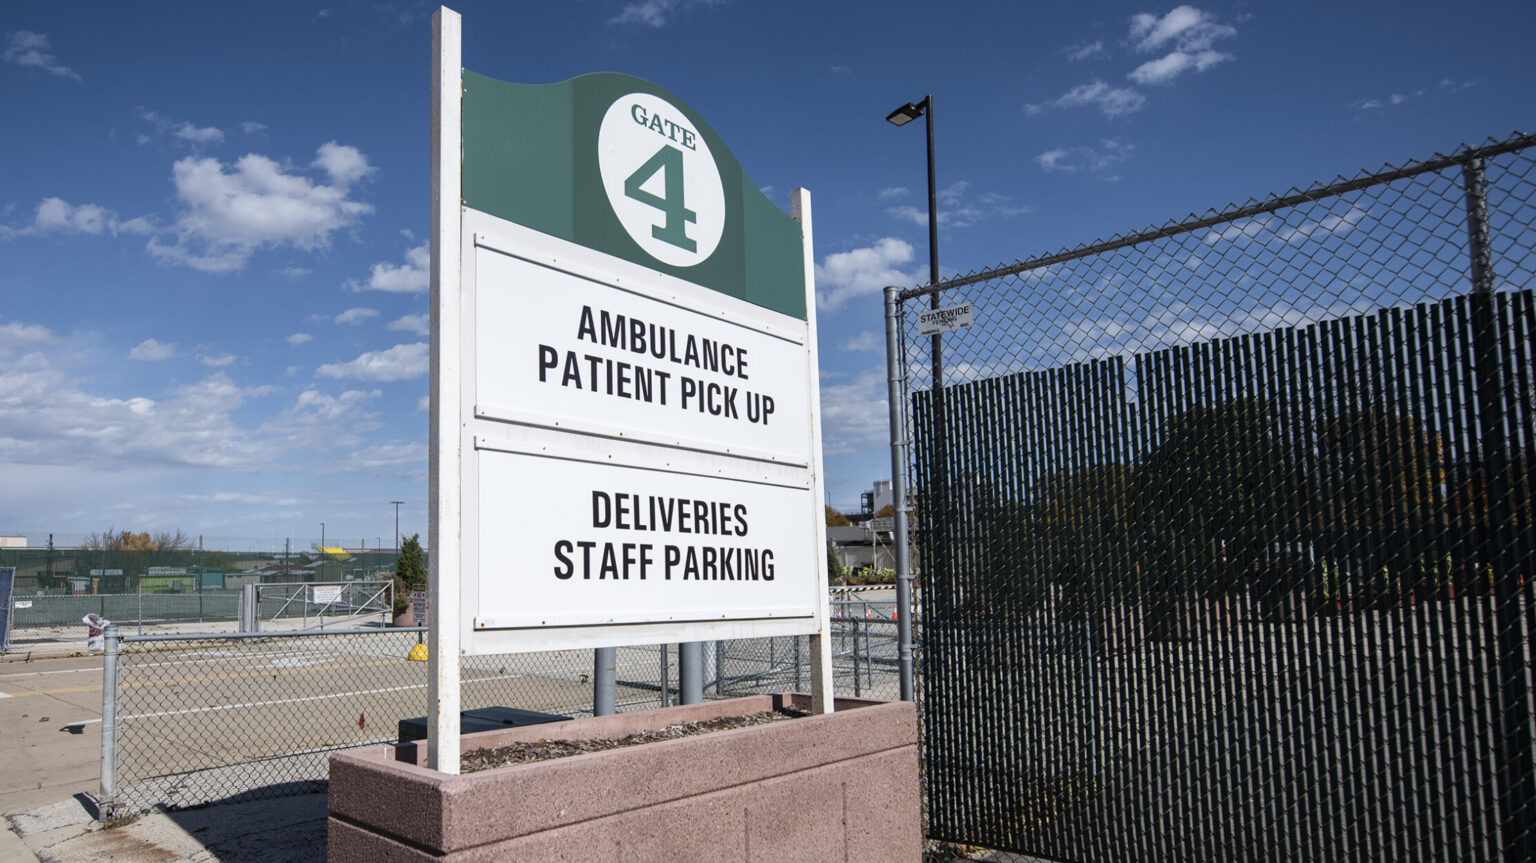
212	262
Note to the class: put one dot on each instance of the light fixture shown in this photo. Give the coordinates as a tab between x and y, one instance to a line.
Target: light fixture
906	113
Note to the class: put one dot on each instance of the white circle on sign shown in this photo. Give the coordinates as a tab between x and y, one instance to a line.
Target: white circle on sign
661	179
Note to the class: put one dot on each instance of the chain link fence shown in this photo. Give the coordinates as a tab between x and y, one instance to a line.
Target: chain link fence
196	719
45	619
1226	527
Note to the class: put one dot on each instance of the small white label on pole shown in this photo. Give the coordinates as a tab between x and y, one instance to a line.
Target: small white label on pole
946	320
327	594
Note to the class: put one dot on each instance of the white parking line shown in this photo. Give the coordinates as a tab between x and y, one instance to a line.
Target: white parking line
65	671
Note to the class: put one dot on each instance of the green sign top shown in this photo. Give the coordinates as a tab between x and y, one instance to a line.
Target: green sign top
621	166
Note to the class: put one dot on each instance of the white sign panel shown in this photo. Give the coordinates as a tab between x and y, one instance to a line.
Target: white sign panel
946	320
595	544
615	361
326	594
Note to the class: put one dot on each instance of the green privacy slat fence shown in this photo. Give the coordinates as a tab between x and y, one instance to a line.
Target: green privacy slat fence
1226	534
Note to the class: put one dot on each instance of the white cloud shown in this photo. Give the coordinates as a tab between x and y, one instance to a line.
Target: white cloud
251	127
1084	50
1100	160
199	135
892	193
334	407
28	49
345	165
408	278
226	216
1169	67
217	361
956	210
356	316
299	338
866	341
843	276
401	362
151	350
16	337
47	419
424	404
654	13
1187	28
184	132
1393	100
1190	31
381	456
419	324
1111	101
294	273
57	215
855	416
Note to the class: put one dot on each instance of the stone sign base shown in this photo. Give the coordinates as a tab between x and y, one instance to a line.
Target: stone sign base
842	786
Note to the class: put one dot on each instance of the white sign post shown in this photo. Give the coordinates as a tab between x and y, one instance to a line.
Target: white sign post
625	438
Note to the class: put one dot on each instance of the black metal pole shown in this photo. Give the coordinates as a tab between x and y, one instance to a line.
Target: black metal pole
933	242
1517	784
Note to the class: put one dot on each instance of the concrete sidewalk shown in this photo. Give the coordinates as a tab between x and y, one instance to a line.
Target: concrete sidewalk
282	830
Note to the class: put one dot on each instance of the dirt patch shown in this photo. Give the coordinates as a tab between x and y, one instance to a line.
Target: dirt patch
545	750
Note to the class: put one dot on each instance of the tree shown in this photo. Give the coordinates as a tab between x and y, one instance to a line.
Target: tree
410	572
1216	495
887	511
834	566
837	519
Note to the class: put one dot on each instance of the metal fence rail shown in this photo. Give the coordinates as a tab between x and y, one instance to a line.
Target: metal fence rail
195	719
1226	529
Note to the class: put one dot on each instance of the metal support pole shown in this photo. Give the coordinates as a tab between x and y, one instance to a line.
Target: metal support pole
799	669
106	804
896	397
719	675
1497	541
666	678
858	687
605	681
690	672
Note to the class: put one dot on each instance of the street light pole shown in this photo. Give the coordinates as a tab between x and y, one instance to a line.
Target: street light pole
322	539
900	117
397	523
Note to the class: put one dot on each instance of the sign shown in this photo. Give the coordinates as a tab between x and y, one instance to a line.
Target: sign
418	608
97	573
325	594
23	603
946	320
163	570
625	405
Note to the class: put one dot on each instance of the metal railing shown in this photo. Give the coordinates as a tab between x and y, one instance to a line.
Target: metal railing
192	719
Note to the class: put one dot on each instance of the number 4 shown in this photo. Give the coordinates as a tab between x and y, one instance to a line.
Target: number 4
669	161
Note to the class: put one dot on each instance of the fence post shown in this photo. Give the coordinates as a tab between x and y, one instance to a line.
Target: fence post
1497	539
858	687
605	681
666	678
106	804
896	397
690	672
